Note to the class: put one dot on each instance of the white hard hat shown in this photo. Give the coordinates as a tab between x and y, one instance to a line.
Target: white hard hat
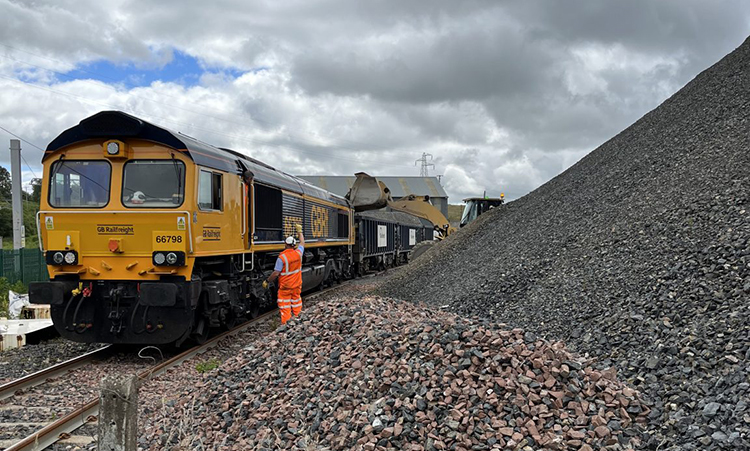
291	241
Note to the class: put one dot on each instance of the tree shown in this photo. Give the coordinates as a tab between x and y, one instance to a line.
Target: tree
36	190
6	221
5	184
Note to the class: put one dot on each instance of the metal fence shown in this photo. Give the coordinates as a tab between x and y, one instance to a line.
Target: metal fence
26	265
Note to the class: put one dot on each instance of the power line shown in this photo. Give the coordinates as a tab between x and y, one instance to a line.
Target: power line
16	136
28	166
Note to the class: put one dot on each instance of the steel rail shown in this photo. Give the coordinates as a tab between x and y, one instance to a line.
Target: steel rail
31	380
51	433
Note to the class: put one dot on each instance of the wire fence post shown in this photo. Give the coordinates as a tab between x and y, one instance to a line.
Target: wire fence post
43	274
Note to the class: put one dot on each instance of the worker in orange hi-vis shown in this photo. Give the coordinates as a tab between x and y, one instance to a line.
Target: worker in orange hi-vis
288	269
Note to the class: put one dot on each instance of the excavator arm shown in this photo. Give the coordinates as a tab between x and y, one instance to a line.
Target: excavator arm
421	207
368	193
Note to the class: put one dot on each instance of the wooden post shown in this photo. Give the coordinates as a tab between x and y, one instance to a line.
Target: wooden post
118	413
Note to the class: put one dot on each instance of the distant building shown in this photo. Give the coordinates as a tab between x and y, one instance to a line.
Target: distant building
399	186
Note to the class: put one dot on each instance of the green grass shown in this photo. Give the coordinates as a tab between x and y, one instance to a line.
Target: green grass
31	242
207	365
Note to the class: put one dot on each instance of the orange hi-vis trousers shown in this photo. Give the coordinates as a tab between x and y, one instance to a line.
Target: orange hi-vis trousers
290	303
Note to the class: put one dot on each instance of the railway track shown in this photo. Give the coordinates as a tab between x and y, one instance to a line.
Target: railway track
49	405
17	416
48	423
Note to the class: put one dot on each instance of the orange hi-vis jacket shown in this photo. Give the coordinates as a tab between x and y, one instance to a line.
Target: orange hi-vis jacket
291	274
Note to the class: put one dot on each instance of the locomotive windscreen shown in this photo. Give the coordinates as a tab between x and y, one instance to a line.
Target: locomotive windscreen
153	183
76	184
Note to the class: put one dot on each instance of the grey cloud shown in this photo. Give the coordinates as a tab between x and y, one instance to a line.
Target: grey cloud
644	25
504	94
469	64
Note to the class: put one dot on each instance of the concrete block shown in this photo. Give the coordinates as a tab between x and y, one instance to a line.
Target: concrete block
118	413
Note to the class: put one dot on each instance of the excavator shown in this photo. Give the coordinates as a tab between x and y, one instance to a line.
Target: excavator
369	193
475	206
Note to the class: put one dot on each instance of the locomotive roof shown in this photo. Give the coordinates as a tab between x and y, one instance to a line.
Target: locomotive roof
119	125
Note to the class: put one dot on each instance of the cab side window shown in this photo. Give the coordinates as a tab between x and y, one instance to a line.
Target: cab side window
209	191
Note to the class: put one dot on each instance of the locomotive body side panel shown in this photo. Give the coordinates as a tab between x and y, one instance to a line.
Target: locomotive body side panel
324	223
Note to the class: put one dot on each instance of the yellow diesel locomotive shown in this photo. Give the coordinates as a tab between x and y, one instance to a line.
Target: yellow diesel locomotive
151	236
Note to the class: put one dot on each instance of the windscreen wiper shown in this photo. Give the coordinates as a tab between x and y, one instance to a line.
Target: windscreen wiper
177	172
56	167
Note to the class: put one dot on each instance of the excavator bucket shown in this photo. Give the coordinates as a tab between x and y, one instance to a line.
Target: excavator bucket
368	193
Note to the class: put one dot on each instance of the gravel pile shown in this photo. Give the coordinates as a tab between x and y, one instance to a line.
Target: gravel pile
366	373
638	255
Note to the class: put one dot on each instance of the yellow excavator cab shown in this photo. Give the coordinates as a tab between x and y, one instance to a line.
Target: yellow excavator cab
475	206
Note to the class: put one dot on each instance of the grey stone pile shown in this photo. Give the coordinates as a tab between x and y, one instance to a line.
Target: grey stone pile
638	256
369	373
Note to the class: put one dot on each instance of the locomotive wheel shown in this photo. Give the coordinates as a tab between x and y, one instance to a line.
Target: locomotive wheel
230	320
200	332
254	311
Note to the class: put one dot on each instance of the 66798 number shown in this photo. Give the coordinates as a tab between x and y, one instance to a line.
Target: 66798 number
169	238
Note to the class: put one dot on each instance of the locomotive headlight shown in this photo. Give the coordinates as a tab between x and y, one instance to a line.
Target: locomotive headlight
168	258
61	257
113	148
159	258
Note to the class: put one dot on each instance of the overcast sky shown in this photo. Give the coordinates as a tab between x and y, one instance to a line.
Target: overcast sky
504	95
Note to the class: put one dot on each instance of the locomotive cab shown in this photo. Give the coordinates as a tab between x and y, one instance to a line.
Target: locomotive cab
115	221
